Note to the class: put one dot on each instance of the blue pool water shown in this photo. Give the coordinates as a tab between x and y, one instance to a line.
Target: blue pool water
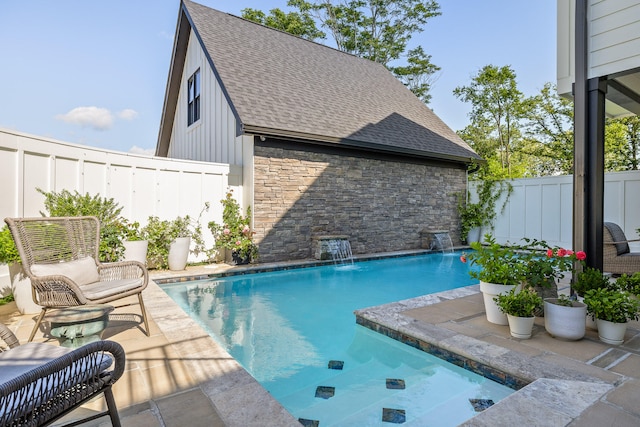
287	327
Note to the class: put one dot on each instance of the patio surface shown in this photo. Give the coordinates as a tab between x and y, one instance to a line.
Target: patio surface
179	376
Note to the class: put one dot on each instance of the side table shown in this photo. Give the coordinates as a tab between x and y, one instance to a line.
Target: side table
80	325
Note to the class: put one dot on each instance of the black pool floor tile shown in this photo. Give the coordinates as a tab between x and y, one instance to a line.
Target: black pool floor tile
309	423
480	405
395	416
395	384
336	364
325	392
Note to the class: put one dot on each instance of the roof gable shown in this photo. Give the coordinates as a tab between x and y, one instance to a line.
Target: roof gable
285	86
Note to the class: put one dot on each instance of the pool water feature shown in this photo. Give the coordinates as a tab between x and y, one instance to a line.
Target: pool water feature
295	332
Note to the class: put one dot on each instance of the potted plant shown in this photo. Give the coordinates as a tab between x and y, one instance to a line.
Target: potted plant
20	284
234	235
586	280
564	318
134	242
520	307
612	310
630	284
500	271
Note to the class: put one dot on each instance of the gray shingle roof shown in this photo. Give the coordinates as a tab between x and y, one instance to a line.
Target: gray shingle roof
284	85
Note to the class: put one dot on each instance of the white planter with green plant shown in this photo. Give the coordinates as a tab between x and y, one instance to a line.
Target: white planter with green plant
612	309
500	272
134	242
565	318
520	306
234	235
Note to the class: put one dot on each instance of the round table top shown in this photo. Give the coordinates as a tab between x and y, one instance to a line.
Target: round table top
80	313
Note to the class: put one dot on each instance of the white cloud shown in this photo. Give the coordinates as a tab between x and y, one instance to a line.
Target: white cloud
128	114
144	151
94	117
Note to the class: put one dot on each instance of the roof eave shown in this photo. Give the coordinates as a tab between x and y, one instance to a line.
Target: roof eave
362	145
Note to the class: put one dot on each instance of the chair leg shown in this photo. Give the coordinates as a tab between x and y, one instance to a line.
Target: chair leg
144	315
37	325
111	405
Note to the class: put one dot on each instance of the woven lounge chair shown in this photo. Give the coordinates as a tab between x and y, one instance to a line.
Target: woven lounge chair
617	257
60	256
40	383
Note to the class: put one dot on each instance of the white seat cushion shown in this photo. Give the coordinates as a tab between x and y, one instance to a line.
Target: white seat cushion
98	290
82	271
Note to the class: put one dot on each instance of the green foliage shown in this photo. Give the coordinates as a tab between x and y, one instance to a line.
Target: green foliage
589	279
372	29
497	108
235	231
298	24
499	264
628	283
8	251
483	212
611	305
106	210
523	303
131	231
544	264
6	300
160	234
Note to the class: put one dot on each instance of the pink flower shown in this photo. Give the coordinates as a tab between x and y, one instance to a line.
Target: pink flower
238	242
569	252
463	258
562	252
581	255
549	253
226	231
246	229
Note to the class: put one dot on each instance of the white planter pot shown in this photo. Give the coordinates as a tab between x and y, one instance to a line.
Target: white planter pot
489	292
591	322
21	289
136	250
474	235
520	327
567	323
178	253
610	332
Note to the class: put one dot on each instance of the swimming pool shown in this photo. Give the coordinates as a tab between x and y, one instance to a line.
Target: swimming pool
295	332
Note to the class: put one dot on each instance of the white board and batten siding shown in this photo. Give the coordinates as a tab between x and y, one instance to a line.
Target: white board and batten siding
213	137
542	208
613	43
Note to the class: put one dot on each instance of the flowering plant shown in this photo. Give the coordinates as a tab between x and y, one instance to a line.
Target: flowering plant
499	264
235	231
543	264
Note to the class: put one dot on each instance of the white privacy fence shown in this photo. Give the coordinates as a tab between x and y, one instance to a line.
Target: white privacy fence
142	185
542	208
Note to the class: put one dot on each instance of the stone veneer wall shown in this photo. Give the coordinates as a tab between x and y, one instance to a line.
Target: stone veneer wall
381	205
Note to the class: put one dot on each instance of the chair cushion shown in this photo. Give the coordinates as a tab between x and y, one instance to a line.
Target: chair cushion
82	271
98	290
622	247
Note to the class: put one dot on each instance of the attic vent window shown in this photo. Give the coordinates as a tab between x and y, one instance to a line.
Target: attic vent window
193	89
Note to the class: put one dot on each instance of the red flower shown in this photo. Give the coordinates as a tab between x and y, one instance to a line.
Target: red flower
463	258
581	255
569	252
549	253
562	252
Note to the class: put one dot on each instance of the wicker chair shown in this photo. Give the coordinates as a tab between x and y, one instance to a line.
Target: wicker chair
40	383
60	256
617	257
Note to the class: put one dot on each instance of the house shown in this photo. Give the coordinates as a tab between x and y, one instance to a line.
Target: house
599	66
322	142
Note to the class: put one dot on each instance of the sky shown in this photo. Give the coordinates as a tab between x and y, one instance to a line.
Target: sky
95	72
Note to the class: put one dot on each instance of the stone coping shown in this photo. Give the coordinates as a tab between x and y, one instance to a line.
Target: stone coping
550	390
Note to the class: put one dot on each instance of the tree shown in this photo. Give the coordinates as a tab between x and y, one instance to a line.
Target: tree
549	133
298	24
622	144
497	108
379	30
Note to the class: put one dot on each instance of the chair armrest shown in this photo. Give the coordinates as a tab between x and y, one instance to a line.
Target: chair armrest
8	337
122	270
57	291
61	383
623	241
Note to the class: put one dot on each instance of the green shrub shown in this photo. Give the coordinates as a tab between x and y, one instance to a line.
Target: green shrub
8	251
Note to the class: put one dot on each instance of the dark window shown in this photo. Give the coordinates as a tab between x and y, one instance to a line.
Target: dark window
193	97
